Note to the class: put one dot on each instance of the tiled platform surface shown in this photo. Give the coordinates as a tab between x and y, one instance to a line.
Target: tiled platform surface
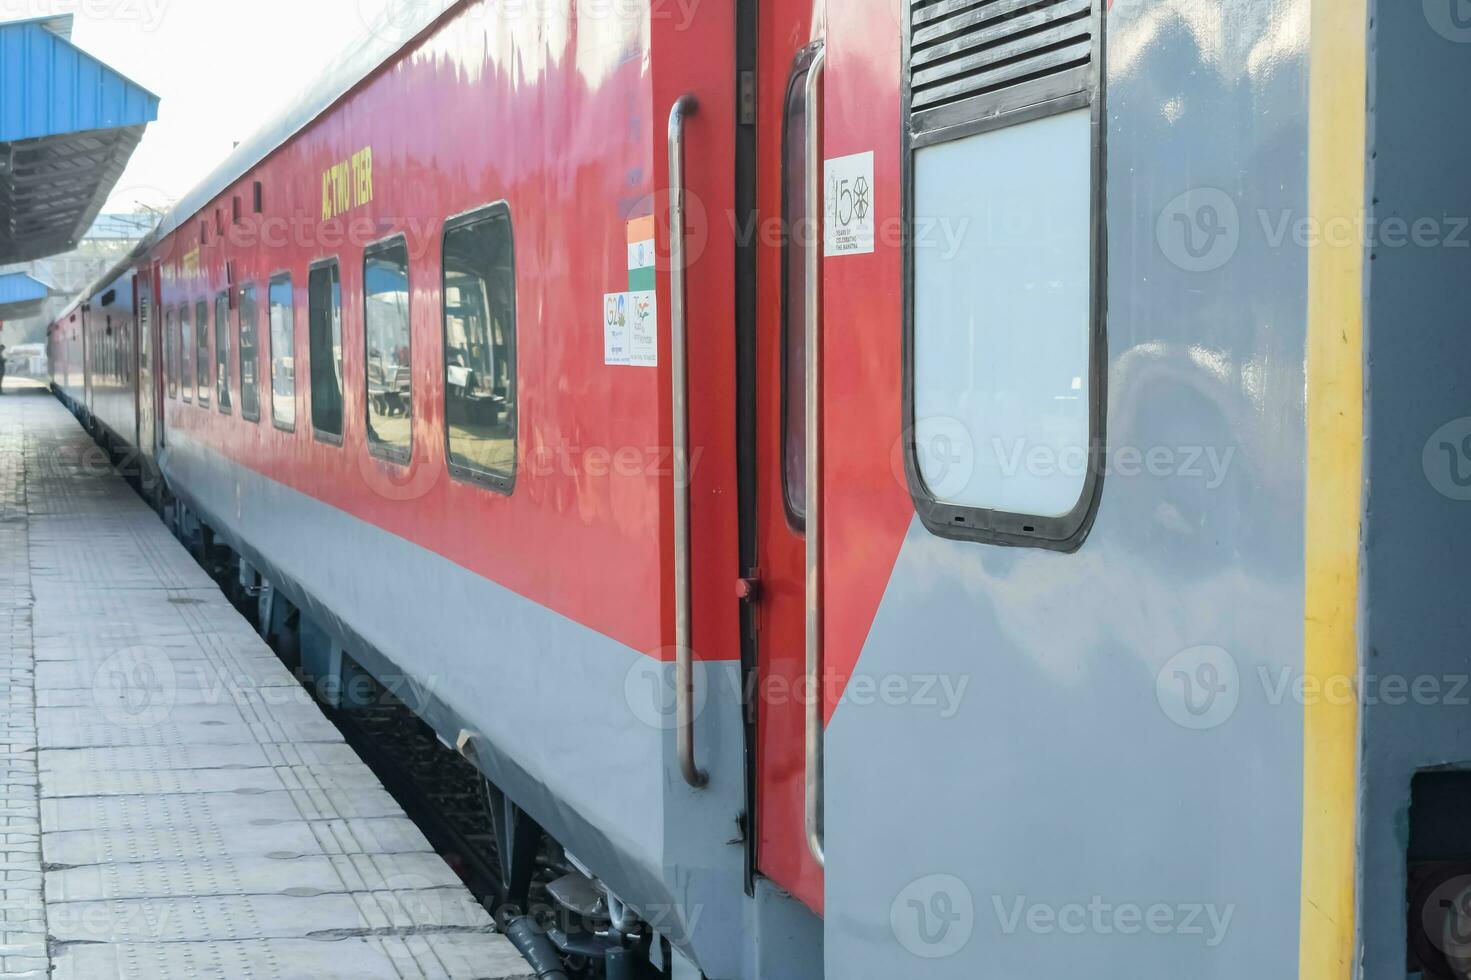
172	803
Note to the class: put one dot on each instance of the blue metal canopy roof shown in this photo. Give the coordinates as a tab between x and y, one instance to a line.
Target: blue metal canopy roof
68	125
21	296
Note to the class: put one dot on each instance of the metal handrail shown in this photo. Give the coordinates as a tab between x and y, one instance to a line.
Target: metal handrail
813	783
684	673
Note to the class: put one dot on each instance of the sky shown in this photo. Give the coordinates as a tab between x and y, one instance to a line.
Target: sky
221	68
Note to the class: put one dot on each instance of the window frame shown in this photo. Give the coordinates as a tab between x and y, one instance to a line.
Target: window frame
204	385
271	281
187	354
223	400
973	117
380	450
503	484
240	290
171	350
321	435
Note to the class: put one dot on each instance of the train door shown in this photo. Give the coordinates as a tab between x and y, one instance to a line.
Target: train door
787	758
88	348
147	361
162	366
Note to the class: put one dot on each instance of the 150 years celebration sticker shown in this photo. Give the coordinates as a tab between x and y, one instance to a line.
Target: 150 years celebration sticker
849	205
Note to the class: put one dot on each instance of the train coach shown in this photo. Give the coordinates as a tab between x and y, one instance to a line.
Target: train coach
890	488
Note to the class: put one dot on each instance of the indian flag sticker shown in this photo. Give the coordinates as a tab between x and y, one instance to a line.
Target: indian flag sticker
641	258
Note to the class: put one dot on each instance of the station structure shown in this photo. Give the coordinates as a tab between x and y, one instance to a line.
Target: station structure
172	801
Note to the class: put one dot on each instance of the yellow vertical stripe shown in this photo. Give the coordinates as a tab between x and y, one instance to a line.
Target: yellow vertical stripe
1336	191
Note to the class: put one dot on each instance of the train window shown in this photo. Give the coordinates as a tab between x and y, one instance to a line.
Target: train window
386	336
283	354
1003	322
797	240
206	356
324	316
480	347
171	353
222	351
248	316
186	354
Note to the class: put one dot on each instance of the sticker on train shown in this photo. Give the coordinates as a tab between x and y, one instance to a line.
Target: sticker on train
630	329
641	259
849	205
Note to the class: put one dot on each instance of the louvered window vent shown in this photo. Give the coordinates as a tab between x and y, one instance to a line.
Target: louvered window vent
987	50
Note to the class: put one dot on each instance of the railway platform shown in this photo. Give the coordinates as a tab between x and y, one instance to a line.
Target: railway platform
172	802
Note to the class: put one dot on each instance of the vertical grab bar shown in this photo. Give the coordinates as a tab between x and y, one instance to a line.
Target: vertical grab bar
684	671
813	788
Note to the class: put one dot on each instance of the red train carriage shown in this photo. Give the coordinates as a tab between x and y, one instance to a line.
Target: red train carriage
617	376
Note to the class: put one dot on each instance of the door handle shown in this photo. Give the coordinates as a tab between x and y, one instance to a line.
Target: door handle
813	782
684	668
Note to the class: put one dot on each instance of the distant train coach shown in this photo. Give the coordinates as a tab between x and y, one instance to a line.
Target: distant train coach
891	488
